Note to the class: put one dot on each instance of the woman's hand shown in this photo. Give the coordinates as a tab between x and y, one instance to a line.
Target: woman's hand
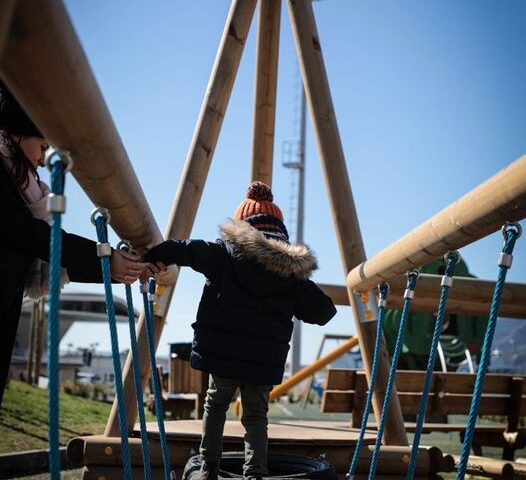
126	267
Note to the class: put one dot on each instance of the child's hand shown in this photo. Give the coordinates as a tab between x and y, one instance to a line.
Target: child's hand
126	267
152	270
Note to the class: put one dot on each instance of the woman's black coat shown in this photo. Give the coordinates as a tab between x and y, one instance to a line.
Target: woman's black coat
23	239
254	287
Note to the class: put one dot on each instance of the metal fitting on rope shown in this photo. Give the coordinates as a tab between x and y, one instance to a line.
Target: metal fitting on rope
409	294
103	249
56	203
144	288
100	212
62	156
453	254
153	297
124	245
383	290
505	260
446	281
512	226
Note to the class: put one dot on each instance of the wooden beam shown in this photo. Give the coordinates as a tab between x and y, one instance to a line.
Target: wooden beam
6	14
482	211
470	296
193	178
340	195
46	68
265	90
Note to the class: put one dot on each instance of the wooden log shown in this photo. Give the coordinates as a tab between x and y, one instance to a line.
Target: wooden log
340	195
265	90
470	296
340	379
6	14
491	467
58	90
480	212
194	177
394	460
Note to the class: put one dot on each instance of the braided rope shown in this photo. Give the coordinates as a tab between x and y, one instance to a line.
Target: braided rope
510	236
452	258
55	259
159	412
102	235
383	291
138	385
412	277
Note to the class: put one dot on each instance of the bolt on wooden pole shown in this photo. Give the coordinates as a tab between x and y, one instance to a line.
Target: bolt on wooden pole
265	90
339	189
193	179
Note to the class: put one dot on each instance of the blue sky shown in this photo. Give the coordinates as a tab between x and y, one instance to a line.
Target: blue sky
429	97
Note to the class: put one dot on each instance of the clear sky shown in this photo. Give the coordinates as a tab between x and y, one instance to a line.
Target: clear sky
429	97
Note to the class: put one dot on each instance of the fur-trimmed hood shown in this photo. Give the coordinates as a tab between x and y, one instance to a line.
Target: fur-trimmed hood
277	257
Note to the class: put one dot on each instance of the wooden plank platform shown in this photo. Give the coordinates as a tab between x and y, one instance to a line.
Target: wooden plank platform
286	432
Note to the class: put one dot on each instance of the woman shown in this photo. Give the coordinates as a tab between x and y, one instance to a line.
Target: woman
24	243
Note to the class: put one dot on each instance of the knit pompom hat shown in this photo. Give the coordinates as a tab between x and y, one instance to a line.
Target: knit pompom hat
259	211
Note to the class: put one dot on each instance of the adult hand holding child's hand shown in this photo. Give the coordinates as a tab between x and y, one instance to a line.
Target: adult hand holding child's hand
126	267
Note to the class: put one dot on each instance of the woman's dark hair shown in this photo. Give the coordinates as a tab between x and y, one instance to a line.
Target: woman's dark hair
15	161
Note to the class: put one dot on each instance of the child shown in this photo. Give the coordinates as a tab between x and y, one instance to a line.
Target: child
256	282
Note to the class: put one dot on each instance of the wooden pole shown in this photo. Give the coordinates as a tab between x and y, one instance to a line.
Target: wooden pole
470	296
32	334
40	337
6	13
193	179
338	186
477	214
265	90
309	370
46	68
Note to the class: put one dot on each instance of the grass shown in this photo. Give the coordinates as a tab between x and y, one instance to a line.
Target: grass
24	424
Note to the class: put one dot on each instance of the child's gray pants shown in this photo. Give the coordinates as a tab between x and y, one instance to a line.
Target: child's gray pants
254	401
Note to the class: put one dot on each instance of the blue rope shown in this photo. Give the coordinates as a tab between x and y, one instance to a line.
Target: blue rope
159	413
452	258
55	259
138	385
510	236
411	282
102	235
383	290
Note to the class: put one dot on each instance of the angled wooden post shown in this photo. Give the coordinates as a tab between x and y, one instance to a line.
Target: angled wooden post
7	8
194	176
339	189
265	90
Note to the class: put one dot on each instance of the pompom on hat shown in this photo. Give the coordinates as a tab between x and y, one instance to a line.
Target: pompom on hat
13	119
259	211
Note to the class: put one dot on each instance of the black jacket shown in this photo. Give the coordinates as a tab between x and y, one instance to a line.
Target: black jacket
24	238
253	289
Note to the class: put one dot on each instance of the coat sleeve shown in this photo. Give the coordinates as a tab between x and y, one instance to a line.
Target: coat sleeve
30	236
313	306
204	257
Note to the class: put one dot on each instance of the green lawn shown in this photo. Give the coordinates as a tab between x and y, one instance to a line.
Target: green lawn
24	424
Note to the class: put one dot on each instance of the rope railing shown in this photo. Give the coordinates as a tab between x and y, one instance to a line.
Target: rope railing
59	163
511	232
383	290
100	218
148	295
412	277
447	282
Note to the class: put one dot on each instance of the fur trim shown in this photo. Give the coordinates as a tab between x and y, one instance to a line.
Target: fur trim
276	256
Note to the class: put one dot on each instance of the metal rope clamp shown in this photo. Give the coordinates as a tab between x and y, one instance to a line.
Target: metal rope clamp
56	203
506	259
408	293
382	302
103	248
144	288
447	281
